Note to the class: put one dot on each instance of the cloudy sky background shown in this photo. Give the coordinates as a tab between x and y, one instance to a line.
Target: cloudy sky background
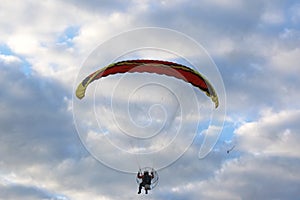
255	45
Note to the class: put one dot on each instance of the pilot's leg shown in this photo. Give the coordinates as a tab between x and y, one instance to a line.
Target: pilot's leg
140	188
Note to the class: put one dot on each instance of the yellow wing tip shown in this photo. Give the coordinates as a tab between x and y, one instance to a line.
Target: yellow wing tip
215	100
80	91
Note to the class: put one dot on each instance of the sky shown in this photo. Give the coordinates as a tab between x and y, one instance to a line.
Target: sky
54	146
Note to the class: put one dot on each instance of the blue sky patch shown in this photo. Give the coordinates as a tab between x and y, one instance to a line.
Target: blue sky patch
68	35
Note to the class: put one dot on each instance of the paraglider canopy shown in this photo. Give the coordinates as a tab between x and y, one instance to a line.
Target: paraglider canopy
152	66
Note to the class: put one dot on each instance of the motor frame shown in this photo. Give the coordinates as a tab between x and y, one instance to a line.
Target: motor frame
154	181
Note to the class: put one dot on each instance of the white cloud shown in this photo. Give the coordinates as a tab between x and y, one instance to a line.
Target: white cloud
35	35
23	44
273	133
9	59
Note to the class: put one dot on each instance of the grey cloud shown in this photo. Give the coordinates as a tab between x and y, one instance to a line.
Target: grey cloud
248	177
258	177
24	192
203	18
101	6
38	139
35	123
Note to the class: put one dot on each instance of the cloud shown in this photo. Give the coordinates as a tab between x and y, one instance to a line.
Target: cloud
255	46
39	145
18	191
274	133
9	59
34	123
265	161
259	177
41	155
